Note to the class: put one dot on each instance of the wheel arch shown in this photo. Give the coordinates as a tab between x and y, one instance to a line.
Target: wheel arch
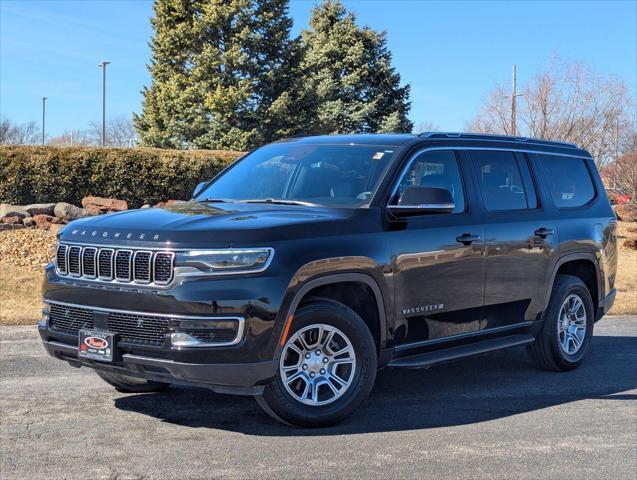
305	292
583	265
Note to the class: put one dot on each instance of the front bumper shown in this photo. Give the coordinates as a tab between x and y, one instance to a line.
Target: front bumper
237	378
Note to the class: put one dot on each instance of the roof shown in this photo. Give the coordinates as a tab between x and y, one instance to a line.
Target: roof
393	139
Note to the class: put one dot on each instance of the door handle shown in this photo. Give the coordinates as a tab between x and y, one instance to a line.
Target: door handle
544	232
467	238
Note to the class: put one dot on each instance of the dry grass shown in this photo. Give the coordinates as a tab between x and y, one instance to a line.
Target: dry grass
23	254
626	283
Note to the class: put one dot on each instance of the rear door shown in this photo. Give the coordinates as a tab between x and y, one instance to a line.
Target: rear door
520	240
439	279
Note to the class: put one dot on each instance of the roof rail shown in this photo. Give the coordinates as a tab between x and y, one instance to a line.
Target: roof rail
493	136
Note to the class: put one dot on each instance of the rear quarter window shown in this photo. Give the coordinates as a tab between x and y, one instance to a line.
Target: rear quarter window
569	180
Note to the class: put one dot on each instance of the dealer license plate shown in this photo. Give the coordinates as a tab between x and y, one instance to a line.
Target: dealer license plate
96	345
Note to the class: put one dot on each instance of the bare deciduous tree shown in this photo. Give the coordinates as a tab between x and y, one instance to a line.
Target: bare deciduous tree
622	172
567	102
120	132
426	127
24	134
72	138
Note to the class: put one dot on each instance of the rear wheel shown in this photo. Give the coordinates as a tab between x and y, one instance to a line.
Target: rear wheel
327	367
565	338
128	384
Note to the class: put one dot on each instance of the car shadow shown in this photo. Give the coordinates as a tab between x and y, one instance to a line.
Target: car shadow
469	391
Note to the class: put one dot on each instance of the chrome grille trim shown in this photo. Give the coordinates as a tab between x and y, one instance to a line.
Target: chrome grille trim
120	269
164	273
61	251
142	261
74	261
104	258
100	265
89	267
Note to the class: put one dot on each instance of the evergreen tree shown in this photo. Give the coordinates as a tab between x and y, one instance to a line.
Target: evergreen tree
223	72
350	76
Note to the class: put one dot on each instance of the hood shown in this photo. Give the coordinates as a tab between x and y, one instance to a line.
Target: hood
218	225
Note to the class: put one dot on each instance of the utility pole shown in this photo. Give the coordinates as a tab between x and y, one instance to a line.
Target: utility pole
514	95
43	117
103	66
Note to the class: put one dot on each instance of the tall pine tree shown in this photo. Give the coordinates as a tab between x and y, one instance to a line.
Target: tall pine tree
223	75
350	75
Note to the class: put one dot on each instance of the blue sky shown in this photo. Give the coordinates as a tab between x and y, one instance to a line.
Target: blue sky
452	53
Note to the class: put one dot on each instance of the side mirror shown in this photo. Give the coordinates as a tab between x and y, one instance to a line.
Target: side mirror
423	200
199	188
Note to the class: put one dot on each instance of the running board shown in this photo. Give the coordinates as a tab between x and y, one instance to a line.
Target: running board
454	353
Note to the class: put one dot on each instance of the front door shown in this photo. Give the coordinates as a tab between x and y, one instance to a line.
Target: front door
438	261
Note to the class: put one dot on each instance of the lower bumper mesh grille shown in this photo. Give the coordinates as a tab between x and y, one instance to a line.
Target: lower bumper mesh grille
132	328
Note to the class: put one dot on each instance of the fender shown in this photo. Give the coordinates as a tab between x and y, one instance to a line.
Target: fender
569	257
339	278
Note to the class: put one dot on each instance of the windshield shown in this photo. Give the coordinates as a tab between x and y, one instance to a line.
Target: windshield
332	175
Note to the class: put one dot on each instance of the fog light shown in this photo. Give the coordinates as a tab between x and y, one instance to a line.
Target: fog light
209	332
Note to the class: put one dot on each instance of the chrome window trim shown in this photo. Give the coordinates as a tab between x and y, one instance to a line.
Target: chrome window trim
413	157
425	206
150	267
99	273
238	338
172	267
130	266
79	261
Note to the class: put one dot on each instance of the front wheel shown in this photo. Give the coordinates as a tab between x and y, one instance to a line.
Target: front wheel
327	367
566	334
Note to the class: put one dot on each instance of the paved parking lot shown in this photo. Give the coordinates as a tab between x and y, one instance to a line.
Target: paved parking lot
488	417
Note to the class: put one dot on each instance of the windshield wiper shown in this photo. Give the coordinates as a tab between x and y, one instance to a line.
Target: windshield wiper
280	201
213	200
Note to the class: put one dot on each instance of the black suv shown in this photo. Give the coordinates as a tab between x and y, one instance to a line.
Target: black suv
307	265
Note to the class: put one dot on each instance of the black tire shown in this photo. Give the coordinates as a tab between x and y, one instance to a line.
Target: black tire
280	404
128	384
546	352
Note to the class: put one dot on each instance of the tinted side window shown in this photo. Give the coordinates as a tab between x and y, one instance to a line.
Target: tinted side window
500	181
569	180
437	169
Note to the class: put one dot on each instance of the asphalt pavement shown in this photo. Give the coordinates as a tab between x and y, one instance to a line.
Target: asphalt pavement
489	417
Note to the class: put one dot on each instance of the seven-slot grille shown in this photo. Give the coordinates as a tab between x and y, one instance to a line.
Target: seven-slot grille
132	327
112	264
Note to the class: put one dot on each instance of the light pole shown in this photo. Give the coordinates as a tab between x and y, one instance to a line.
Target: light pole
514	95
103	66
43	118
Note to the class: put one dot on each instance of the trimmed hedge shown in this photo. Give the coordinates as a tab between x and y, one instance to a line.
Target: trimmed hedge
30	174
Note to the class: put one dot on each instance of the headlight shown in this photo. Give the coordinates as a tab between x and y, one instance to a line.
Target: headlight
241	260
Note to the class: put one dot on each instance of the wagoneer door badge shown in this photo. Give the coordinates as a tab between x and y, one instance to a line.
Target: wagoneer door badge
419	309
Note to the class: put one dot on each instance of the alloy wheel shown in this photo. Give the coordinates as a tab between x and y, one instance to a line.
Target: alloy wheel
571	324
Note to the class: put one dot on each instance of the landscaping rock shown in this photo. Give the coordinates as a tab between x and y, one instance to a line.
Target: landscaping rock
13	220
146	205
8	226
630	243
93	204
28	222
44	222
7	210
626	212
69	212
40	208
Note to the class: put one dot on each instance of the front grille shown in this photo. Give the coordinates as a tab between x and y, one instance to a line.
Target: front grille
132	327
163	267
74	261
60	258
143	267
69	319
122	265
105	263
89	256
